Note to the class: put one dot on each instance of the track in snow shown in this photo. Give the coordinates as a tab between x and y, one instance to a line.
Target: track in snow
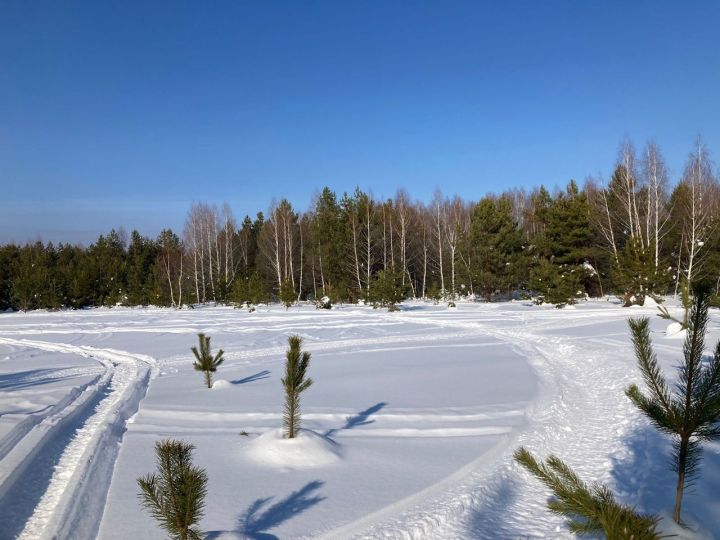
577	414
54	479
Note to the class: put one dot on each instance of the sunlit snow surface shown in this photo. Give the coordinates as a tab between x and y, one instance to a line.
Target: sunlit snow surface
411	422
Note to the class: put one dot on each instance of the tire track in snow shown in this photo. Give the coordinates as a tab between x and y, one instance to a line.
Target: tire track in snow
74	497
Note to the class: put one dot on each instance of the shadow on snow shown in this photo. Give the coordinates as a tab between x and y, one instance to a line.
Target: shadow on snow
252	378
261	517
643	477
360	419
27	379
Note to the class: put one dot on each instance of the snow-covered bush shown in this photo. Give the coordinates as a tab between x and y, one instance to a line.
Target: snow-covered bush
324	303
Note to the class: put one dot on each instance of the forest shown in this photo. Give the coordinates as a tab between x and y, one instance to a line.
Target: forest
637	234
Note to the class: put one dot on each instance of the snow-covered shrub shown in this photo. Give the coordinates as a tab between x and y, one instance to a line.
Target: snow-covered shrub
323	303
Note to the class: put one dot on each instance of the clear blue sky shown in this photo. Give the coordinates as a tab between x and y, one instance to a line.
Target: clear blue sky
123	113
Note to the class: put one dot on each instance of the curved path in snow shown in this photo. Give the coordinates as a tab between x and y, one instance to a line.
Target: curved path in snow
579	414
54	479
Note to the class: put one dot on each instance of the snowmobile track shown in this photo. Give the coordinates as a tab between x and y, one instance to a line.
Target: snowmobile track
55	478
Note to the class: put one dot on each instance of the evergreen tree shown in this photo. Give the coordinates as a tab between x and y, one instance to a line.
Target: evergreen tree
691	413
295	384
331	245
556	284
32	286
496	244
686	301
205	361
589	509
568	229
287	294
387	289
106	270
251	290
141	256
8	256
175	495
635	273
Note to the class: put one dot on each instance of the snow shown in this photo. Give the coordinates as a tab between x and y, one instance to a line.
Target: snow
307	449
408	430
221	384
650	302
675	330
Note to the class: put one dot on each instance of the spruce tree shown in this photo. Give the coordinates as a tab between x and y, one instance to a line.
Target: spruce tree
175	495
689	413
206	362
590	509
295	384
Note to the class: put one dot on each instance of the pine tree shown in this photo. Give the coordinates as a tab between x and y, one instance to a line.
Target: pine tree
287	294
590	509
556	284
175	495
691	413
387	289
206	362
495	243
686	301
636	275
295	384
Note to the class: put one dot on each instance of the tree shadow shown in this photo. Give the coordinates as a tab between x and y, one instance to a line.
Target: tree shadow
643	477
260	518
360	419
252	378
30	378
489	521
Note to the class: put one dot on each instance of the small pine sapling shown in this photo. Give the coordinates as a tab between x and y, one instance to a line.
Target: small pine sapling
686	301
205	361
175	495
295	384
691	413
590	509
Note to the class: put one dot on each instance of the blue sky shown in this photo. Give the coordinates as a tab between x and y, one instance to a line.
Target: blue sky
123	113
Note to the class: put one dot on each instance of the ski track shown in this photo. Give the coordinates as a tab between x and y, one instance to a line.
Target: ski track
82	472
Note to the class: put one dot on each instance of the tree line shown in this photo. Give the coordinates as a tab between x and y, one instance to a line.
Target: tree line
633	235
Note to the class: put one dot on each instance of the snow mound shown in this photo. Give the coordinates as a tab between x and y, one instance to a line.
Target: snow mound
221	384
308	449
650	302
675	330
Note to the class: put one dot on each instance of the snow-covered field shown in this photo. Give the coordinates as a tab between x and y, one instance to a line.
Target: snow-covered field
411	423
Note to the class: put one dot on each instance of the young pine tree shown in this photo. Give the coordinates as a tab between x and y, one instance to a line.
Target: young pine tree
686	300
689	413
175	495
287	294
206	362
294	383
589	509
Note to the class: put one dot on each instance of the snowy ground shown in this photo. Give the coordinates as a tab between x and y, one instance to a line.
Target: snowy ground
412	420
